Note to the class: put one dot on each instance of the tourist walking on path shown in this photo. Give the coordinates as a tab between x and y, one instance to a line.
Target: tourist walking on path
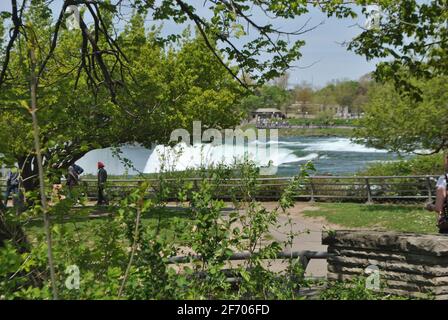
74	172
102	179
12	186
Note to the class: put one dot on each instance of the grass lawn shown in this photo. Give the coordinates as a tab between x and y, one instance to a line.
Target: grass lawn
404	218
84	226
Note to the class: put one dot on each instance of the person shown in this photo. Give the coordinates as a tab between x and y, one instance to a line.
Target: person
72	178
78	169
74	171
441	205
102	179
12	186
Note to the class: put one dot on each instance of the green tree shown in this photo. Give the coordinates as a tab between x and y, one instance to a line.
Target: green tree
303	95
172	86
338	92
345	93
222	21
413	36
397	123
267	96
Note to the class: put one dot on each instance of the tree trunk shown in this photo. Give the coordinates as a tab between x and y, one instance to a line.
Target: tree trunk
40	169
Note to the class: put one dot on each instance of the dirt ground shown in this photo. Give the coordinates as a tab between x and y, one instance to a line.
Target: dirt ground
310	234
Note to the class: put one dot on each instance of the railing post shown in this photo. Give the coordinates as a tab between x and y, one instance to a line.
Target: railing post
312	190
195	185
428	186
369	191
304	261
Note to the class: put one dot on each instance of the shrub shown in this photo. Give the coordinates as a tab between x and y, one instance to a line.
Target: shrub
419	165
120	257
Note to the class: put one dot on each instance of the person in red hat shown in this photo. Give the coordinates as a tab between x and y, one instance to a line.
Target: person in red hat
102	179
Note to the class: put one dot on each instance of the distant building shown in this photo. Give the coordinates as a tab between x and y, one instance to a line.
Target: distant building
268	113
311	110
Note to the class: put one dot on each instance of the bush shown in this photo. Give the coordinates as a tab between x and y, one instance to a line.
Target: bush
354	290
419	165
119	257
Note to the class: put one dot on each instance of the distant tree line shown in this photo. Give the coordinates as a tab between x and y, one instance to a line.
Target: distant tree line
304	98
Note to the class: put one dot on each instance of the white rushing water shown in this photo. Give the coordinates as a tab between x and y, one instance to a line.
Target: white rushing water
340	144
329	144
337	155
182	156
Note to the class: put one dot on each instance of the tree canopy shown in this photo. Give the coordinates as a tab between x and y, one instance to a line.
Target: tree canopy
267	52
172	85
267	96
398	123
411	39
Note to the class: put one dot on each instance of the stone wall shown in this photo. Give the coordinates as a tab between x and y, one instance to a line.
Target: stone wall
409	264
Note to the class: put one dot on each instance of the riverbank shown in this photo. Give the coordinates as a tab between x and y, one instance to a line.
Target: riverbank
310	132
317	132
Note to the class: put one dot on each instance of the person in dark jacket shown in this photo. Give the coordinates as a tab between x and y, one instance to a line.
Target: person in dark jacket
102	179
12	186
72	178
74	172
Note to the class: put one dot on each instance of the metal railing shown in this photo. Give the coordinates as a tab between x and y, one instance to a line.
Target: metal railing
356	188
304	258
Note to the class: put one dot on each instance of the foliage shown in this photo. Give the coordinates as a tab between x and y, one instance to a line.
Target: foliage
265	51
103	249
411	36
397	123
354	289
344	93
170	81
172	85
325	117
303	93
267	96
419	165
313	132
319	122
324	132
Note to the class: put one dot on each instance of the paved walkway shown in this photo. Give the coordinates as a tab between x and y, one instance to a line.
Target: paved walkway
310	237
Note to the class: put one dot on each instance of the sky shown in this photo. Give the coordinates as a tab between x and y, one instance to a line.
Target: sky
324	58
334	61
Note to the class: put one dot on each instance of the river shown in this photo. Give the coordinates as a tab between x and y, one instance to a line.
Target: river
330	155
